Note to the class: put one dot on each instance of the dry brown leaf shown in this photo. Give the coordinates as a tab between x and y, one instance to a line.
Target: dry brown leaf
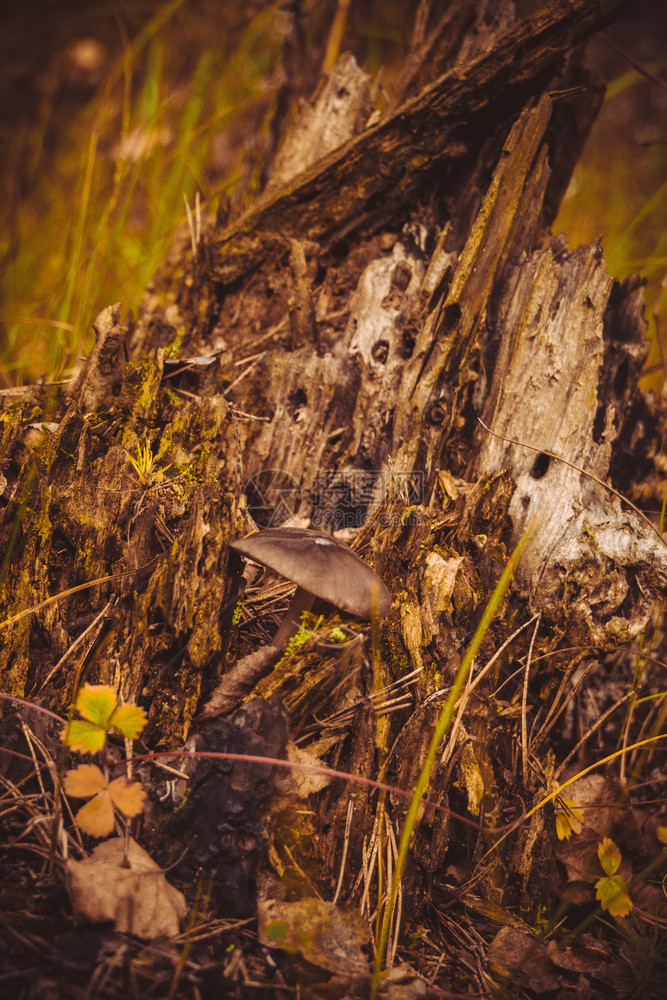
325	935
306	782
513	954
138	899
597	797
587	956
239	682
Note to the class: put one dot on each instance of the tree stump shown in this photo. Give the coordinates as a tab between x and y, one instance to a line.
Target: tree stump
334	347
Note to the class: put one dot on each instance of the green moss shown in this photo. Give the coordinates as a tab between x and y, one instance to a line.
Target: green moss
43	525
191	701
176	343
138	399
393	651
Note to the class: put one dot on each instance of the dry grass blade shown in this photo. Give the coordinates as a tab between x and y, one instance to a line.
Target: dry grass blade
524	705
92	628
346	845
587	735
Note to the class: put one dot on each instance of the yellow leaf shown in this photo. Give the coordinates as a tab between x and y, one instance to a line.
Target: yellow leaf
84	781
662	834
127	796
96	818
86	737
613	895
569	817
97	703
609	855
129	719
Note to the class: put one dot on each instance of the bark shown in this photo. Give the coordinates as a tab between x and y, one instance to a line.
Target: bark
347	331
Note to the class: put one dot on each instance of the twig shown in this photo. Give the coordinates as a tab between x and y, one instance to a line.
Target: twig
524	703
473	684
589	732
76	643
555	709
191	226
634	62
242	375
73	590
346	845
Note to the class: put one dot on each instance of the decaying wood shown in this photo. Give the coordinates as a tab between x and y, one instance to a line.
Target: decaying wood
338	112
366	179
347	331
104	366
587	555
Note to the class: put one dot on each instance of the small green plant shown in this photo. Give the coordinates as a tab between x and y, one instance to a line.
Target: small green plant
97	816
100	711
641	948
612	892
175	346
145	466
303	635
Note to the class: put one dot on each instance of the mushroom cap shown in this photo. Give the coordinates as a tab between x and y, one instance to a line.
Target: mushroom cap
321	565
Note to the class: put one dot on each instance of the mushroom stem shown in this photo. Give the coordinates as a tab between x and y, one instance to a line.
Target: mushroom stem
302	601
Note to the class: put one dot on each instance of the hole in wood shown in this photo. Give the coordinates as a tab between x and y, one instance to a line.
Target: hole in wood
297	402
380	352
437	412
621	380
451	314
540	466
408	346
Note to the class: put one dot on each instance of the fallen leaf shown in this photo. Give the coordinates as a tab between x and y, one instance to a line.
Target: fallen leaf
597	798
514	955
325	935
306	782
239	681
138	899
587	956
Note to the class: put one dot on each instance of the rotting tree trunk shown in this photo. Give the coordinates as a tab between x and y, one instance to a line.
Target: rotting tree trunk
347	331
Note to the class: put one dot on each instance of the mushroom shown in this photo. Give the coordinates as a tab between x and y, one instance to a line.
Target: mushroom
321	567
